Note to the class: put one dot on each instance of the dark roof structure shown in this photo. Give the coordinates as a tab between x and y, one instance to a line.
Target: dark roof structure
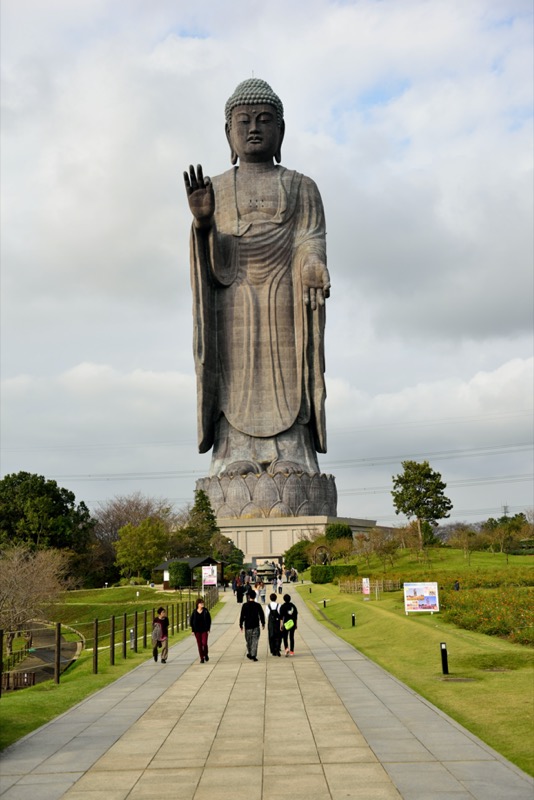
203	561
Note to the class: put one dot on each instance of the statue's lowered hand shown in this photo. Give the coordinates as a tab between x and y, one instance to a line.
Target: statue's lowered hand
315	282
199	190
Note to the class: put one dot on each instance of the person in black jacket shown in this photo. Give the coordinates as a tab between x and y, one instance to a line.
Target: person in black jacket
239	592
200	626
288	615
250	618
273	625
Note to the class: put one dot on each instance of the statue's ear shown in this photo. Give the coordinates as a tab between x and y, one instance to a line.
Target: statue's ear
233	154
278	154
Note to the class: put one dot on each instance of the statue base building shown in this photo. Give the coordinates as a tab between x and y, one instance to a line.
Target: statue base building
268	539
294	494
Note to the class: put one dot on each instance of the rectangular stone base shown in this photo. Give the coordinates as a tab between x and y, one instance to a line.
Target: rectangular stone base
268	538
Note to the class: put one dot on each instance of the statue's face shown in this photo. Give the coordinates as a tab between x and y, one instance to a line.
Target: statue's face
255	135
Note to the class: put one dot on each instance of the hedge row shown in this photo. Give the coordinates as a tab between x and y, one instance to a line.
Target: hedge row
327	573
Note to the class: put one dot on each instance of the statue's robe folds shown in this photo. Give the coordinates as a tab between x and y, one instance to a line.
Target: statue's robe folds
259	350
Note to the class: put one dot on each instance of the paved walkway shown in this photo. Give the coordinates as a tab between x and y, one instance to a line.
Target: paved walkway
325	725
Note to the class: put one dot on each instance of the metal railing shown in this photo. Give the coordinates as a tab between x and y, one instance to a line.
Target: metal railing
55	646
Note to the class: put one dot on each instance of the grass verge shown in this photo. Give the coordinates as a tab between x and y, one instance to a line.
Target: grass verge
23	711
490	686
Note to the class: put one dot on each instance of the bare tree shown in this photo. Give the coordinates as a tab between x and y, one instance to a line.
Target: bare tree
464	538
385	544
131	509
28	582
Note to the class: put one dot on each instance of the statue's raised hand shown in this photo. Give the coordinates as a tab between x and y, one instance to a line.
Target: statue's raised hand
315	282
200	195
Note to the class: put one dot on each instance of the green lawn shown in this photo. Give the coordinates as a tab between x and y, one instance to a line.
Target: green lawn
490	687
452	562
25	710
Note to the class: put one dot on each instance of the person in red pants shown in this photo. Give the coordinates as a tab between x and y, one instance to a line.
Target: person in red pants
200	626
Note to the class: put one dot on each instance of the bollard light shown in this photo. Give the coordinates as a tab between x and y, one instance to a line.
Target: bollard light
132	640
444	658
353	620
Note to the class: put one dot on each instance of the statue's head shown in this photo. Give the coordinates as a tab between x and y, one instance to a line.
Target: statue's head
254	122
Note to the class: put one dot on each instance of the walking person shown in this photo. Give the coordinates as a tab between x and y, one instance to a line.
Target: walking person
160	635
288	624
250	619
239	591
200	626
273	625
280	584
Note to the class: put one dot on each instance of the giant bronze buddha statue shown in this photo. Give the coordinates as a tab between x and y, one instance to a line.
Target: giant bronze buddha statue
259	278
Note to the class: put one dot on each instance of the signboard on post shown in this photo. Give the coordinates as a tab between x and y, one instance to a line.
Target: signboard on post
209	576
366	588
421	597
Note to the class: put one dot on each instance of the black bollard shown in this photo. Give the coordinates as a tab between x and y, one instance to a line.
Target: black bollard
353	620
310	589
324	603
444	658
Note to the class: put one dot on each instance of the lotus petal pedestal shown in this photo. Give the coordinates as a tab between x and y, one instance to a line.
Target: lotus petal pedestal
295	494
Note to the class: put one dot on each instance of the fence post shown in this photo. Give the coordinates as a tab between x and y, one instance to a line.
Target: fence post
112	641
144	628
124	631
172	619
57	653
1	659
135	631
95	647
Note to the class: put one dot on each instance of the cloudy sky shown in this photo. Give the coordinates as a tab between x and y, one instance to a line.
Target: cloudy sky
415	120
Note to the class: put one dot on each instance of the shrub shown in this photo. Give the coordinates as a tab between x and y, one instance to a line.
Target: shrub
506	611
179	574
328	573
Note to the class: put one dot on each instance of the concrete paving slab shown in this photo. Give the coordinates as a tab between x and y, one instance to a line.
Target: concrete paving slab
180	784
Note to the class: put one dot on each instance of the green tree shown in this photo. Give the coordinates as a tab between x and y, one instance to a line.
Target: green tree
194	538
140	548
337	530
38	513
112	515
297	556
179	575
506	531
223	549
419	492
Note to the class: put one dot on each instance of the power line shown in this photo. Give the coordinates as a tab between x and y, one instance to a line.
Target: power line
450	484
473	512
332	431
490	450
433	422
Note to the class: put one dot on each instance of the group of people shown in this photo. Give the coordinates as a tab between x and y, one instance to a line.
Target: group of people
281	624
200	623
246	582
281	627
